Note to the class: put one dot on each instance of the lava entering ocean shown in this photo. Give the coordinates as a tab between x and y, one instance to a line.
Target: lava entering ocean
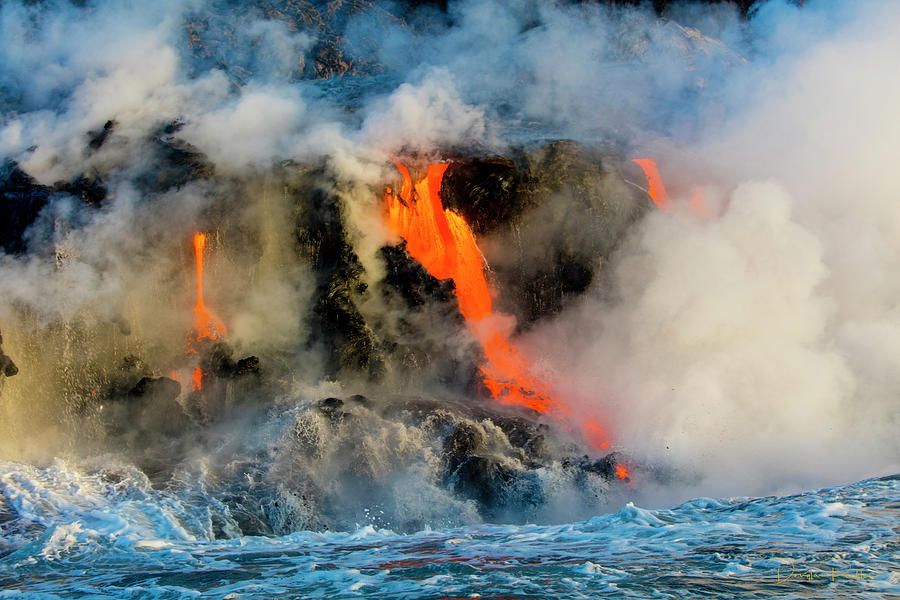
207	327
443	243
659	194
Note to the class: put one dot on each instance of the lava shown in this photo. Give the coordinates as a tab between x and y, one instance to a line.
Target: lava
594	434
659	194
207	327
698	207
657	190
443	243
197	379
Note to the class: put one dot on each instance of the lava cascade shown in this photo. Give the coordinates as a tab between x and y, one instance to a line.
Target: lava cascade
659	194
443	243
207	327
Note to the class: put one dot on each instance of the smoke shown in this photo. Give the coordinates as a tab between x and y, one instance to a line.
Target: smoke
754	351
423	117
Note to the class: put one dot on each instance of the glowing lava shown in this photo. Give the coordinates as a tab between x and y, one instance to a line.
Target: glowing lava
442	242
207	327
657	189
197	379
659	194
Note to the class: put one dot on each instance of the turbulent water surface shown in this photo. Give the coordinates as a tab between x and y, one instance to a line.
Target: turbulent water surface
110	534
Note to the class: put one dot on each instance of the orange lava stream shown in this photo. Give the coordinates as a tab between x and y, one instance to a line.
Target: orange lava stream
197	379
661	197
657	189
442	242
698	207
206	325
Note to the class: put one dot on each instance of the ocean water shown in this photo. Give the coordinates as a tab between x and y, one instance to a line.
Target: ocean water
111	534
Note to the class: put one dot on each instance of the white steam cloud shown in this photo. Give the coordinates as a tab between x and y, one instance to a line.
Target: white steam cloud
758	350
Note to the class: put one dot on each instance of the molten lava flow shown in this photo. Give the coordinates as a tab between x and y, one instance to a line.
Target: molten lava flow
661	197
197	379
657	189
698	207
621	471
206	326
594	435
442	242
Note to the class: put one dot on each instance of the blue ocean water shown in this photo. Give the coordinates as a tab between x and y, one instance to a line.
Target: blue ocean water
70	534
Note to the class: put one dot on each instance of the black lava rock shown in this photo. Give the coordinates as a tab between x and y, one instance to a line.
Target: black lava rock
216	359
483	479
7	366
462	443
98	138
89	189
147	414
332	408
604	467
322	241
21	200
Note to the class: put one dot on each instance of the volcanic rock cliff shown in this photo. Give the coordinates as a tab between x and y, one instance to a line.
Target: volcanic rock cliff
534	202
